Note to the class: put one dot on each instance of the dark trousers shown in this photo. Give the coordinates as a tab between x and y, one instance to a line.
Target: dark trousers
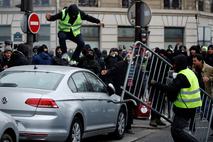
178	129
63	36
130	107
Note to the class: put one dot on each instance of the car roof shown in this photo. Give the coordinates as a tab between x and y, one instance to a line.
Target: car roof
47	68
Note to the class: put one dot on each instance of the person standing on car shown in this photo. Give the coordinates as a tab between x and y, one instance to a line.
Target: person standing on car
69	27
184	92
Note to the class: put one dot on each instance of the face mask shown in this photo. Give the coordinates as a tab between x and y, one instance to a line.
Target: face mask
112	54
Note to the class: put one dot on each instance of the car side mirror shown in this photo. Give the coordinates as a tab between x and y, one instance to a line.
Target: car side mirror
111	89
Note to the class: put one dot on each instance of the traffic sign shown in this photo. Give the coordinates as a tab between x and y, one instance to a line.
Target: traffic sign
146	14
33	23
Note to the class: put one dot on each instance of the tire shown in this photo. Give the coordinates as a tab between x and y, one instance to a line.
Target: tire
120	126
7	138
76	131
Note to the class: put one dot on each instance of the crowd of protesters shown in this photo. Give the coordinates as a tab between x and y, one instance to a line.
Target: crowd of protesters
199	60
112	66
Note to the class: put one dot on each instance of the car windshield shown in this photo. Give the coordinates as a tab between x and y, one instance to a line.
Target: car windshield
30	79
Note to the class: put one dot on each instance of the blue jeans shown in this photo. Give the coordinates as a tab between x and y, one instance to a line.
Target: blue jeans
63	36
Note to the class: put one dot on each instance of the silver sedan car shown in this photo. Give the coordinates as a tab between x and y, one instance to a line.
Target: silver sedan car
60	103
8	128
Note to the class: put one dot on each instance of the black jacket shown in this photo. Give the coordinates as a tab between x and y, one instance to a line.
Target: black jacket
173	89
90	64
18	59
73	11
117	74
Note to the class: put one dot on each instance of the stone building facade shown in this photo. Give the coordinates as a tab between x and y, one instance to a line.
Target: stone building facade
187	22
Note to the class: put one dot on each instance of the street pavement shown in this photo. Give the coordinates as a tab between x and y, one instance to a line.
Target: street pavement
143	132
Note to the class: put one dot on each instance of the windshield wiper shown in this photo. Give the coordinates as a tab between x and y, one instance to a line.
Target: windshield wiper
8	85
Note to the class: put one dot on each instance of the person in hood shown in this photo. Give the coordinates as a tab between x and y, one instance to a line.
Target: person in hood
69	27
57	59
20	55
184	105
42	58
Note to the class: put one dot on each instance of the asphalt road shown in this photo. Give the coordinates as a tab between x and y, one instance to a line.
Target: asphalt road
142	133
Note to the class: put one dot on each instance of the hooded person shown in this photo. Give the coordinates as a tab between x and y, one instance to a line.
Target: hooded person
184	105
42	58
69	27
20	55
57	59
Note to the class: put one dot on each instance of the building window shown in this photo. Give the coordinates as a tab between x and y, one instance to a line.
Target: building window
41	2
172	4
5	33
126	3
4	3
43	36
173	35
204	35
89	3
44	33
126	35
212	6
200	5
91	35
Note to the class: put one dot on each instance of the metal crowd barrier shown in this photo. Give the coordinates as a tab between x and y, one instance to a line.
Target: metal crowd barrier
201	126
145	65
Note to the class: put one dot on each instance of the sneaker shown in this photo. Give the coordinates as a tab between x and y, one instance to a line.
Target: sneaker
73	63
153	123
160	123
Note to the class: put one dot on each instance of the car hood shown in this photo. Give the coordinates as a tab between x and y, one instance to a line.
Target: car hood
12	100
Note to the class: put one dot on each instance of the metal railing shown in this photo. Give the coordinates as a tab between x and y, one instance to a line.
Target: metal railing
141	70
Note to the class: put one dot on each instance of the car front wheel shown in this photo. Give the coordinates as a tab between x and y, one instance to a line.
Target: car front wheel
121	123
6	138
75	131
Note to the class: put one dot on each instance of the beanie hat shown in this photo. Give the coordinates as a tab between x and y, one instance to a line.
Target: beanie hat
23	48
73	10
204	48
180	61
7	48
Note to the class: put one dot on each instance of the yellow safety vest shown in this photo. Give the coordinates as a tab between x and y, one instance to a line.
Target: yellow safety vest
189	97
65	26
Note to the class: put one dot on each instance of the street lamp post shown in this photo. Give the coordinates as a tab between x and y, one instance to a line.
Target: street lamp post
57	10
138	20
27	7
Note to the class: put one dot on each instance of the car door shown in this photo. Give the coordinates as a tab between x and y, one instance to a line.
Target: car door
109	108
90	102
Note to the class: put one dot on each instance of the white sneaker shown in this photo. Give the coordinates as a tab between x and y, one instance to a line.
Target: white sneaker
73	62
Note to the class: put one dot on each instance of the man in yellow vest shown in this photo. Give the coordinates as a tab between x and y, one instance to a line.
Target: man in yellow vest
184	92
69	27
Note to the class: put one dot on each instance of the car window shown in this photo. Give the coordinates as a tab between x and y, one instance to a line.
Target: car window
95	82
31	79
80	82
71	84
